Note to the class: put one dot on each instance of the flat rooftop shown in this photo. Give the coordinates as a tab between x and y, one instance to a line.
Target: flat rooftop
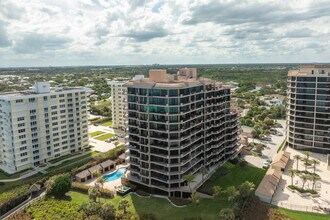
185	78
31	93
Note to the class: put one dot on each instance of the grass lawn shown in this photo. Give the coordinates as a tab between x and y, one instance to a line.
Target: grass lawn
66	163
108	123
105	136
95	133
163	209
238	175
302	215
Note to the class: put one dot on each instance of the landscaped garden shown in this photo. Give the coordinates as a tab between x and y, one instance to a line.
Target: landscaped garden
105	136
96	133
304	175
107	123
233	175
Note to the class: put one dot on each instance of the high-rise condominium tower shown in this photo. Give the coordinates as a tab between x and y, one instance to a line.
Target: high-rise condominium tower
41	124
118	94
308	108
178	124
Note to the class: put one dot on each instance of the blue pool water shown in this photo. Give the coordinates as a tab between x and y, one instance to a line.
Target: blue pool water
115	175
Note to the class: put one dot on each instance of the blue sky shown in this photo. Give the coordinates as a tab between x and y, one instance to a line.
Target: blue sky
111	32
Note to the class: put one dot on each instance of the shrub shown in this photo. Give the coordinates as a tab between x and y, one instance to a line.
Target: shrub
58	185
301	190
84	189
12	198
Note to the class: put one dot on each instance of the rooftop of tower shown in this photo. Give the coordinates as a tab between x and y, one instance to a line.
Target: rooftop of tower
185	77
322	70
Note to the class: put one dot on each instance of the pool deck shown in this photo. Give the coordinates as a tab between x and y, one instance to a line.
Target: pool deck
109	185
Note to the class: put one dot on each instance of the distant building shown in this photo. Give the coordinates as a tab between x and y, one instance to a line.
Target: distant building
118	100
118	95
41	124
178	124
308	108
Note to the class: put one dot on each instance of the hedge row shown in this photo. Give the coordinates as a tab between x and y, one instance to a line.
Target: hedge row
84	189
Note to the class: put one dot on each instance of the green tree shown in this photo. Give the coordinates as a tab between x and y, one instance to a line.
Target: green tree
297	158
101	181
307	154
227	214
245	189
304	178
217	190
315	162
96	173
314	180
90	208
108	211
94	193
232	193
292	173
58	185
190	179
195	198
123	205
305	160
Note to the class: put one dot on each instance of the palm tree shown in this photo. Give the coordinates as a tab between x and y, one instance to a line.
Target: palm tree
189	178
315	162
245	189
232	193
123	205
307	154
217	190
227	214
204	172
305	159
314	179
101	182
292	173
195	198
304	178
93	193
96	173
297	158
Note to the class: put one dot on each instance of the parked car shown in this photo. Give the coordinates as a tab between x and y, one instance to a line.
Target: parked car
279	133
95	124
265	165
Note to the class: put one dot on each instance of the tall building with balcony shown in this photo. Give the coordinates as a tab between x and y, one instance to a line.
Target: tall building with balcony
40	125
178	124
308	108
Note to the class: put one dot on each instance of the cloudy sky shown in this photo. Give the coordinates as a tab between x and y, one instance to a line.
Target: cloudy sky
110	32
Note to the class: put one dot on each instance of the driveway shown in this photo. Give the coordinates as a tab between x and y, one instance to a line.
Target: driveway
271	147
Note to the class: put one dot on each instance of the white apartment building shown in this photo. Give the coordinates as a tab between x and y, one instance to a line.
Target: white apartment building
118	100
41	124
118	94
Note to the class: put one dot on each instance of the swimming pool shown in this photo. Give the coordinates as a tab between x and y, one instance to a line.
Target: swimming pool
115	175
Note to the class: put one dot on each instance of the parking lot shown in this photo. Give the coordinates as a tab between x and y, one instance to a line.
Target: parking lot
102	146
271	147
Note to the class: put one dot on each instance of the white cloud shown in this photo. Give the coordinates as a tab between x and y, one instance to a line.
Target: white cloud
79	32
